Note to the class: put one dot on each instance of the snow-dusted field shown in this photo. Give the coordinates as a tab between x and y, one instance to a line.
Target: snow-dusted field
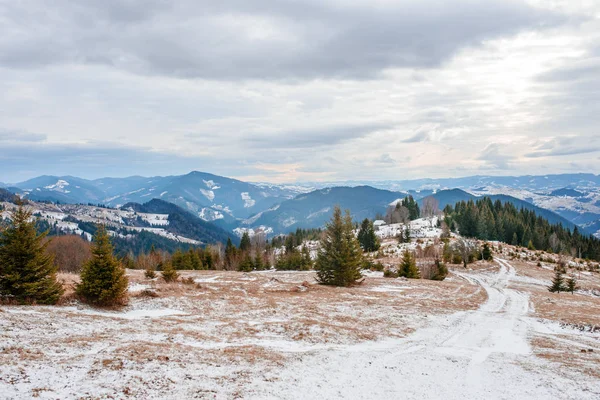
276	335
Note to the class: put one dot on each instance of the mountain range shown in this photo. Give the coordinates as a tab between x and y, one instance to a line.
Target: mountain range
234	205
210	197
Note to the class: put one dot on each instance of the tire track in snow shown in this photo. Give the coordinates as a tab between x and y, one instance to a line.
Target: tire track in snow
467	355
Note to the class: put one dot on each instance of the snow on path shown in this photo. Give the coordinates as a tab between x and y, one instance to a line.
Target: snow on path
482	354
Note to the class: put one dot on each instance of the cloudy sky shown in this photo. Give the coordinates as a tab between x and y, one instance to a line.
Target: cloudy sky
309	90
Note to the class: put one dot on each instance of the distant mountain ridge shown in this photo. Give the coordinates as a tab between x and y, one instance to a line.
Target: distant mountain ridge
208	196
314	209
231	203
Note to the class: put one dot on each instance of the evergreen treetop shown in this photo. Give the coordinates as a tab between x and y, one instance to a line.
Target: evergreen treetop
340	257
367	238
558	282
103	280
27	272
408	267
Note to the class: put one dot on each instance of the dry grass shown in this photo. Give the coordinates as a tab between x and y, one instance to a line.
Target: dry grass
579	309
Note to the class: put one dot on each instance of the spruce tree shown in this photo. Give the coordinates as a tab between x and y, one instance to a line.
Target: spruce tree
408	266
407	234
103	280
27	272
571	285
230	255
306	260
367	238
340	256
245	244
558	282
169	273
247	264
259	263
486	253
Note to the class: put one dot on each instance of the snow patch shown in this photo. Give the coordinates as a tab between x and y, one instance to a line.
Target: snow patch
209	194
248	201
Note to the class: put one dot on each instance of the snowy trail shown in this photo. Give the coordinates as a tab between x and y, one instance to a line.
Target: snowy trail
482	354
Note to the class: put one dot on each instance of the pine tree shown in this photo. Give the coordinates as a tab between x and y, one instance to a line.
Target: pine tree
486	253
247	264
177	260
230	255
150	274
367	238
245	244
306	260
259	264
195	261
408	266
558	283
103	280
571	285
169	273
27	273
515	239
340	256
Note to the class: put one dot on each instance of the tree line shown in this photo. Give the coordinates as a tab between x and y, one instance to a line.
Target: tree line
487	220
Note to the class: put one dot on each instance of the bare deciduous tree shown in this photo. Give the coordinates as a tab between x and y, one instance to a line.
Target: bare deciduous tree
431	207
70	252
465	248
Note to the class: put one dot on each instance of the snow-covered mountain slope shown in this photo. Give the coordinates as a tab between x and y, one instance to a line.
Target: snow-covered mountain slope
226	201
152	220
314	209
208	196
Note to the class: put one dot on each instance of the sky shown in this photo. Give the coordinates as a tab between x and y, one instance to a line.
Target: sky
296	91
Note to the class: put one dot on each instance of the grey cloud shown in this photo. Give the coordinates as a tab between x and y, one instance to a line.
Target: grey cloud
564	146
314	137
589	69
493	157
418	137
263	39
7	135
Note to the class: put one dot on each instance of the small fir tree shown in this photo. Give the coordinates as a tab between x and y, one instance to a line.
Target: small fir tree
103	280
486	252
259	263
27	272
230	255
169	273
571	284
307	262
408	266
367	238
247	264
150	274
340	256
245	244
558	282
407	234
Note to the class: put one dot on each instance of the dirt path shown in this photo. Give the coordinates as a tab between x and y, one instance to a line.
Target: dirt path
478	354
